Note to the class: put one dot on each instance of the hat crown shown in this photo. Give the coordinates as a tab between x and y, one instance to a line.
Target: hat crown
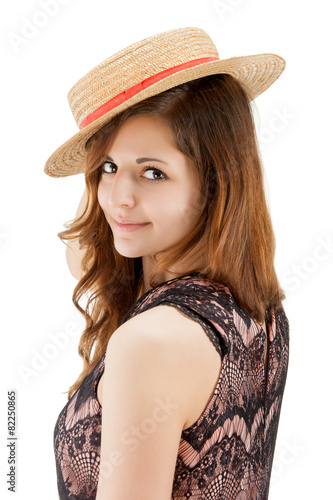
136	63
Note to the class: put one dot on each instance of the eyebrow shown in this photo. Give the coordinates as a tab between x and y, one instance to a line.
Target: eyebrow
140	160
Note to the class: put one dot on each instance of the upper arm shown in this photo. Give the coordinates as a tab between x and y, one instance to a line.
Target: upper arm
144	410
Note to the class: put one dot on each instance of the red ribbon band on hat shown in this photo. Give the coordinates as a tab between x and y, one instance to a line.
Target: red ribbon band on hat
135	89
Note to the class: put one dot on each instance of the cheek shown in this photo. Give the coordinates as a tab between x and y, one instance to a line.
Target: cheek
102	195
189	206
179	212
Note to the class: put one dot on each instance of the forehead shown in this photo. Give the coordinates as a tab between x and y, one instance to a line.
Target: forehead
141	130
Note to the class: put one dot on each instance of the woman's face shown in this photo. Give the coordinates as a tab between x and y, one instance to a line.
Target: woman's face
148	180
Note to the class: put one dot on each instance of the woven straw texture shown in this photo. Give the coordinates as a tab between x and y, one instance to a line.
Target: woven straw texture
142	60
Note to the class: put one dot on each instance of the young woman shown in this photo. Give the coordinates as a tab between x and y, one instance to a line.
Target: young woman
186	345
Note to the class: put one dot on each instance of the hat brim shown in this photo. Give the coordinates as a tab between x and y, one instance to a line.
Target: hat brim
255	73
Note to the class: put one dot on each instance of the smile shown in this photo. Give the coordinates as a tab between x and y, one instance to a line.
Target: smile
126	228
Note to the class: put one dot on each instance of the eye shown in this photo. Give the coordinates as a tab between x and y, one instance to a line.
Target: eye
107	166
159	173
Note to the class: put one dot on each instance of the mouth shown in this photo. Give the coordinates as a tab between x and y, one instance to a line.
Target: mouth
129	227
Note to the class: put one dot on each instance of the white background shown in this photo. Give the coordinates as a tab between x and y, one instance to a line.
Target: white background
36	285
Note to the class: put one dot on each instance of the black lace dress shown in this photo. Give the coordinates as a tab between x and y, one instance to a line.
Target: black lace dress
228	452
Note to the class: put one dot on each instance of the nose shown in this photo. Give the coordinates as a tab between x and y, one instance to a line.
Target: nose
122	190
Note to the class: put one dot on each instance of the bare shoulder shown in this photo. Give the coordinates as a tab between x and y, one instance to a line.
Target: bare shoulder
168	318
165	337
168	326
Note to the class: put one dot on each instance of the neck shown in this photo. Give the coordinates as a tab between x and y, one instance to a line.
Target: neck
193	262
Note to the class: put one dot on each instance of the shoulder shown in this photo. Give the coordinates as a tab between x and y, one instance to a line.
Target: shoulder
172	334
161	337
159	319
168	352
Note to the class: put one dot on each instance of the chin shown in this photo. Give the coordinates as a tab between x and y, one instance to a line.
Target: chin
130	254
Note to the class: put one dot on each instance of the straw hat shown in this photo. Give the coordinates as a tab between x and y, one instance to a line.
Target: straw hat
147	68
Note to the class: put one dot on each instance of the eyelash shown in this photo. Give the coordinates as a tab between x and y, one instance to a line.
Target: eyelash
149	167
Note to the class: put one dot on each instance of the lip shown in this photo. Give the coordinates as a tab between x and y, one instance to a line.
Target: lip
127	221
126	228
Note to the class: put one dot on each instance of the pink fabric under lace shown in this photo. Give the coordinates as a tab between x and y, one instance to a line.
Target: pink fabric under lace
228	452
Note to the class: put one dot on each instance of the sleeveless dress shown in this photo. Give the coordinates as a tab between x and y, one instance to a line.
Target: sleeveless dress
228	452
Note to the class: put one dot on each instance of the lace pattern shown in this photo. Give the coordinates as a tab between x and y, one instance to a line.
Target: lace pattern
228	452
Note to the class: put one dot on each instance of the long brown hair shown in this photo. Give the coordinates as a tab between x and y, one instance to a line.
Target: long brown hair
212	123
